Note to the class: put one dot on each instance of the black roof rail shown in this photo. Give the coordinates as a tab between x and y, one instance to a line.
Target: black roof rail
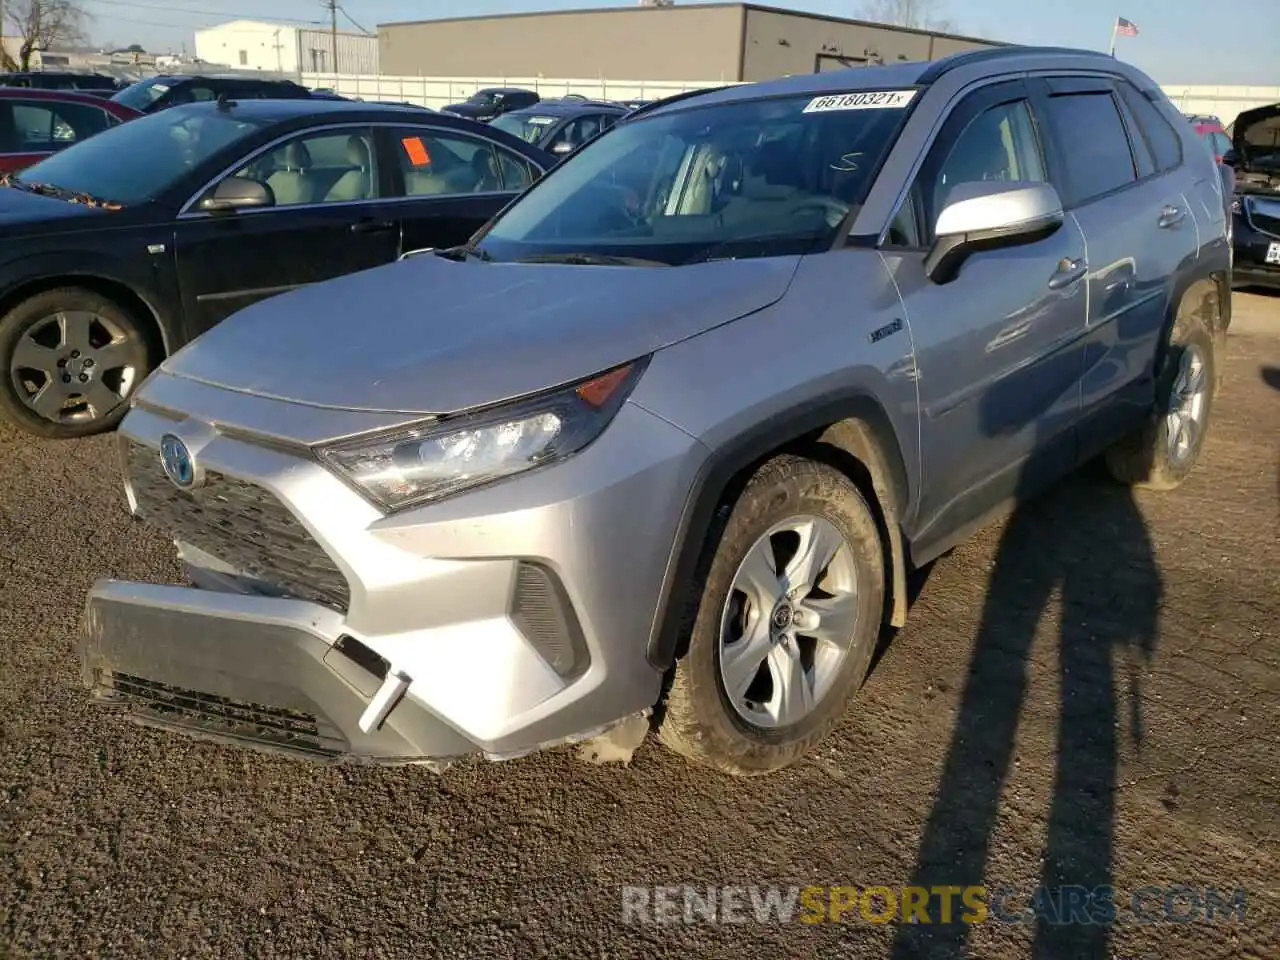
939	67
675	98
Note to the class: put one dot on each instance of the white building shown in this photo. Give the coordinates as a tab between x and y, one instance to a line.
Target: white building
283	48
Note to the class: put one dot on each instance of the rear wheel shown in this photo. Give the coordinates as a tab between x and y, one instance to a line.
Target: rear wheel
786	624
71	359
1161	454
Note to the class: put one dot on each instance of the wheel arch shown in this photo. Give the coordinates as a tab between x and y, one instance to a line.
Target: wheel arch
1206	295
852	433
125	295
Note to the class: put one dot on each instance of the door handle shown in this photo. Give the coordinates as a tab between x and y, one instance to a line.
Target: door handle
1068	272
372	226
1171	216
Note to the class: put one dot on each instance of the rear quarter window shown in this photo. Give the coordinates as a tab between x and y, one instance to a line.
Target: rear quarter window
1165	143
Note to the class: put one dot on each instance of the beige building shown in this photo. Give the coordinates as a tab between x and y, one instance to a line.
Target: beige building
704	42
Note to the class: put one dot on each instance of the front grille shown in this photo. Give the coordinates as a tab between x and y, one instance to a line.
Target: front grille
242	525
221	717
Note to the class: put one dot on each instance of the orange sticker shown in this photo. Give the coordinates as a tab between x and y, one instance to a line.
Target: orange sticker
416	150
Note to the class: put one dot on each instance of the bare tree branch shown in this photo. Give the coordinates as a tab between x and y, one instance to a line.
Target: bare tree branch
920	14
41	24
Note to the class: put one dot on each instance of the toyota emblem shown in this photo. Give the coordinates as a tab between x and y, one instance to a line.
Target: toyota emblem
177	461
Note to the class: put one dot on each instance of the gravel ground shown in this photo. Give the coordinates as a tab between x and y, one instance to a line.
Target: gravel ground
1087	694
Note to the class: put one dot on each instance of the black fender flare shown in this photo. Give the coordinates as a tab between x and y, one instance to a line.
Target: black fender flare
853	422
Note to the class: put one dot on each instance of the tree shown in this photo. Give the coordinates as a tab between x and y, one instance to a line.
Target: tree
41	24
920	14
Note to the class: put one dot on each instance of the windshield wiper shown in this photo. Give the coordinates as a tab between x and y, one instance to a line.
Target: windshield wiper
71	196
464	250
592	260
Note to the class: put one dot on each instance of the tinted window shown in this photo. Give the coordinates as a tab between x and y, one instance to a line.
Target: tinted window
577	131
43	125
328	167
160	149
1165	142
437	162
1095	146
748	179
1142	155
516	172
529	127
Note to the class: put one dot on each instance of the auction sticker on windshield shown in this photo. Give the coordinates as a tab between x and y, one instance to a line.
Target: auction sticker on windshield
867	100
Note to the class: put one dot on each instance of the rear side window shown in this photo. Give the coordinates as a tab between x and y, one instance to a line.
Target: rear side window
1095	152
45	125
1164	140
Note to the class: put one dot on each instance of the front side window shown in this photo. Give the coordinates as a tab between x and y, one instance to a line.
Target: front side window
333	166
746	179
577	132
1096	155
443	162
138	161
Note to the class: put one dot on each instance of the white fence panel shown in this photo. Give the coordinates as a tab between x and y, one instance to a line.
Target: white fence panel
439	91
1226	103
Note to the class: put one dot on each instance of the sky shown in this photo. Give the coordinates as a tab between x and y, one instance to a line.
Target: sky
1179	41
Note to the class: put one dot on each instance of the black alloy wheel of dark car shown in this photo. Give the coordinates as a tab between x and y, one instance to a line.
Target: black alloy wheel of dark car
74	358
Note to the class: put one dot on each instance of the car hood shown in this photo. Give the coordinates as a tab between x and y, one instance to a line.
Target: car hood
1251	127
19	206
426	335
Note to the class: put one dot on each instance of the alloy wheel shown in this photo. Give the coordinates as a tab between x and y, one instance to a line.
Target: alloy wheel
1187	403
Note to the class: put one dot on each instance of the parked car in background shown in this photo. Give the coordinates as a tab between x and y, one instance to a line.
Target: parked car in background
664	438
164	91
484	105
97	84
1255	159
120	249
1213	133
35	123
635	104
561	126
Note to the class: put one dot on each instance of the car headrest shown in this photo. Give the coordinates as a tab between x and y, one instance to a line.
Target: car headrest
357	151
296	156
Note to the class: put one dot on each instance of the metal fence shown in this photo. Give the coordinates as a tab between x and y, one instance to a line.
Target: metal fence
1225	103
437	92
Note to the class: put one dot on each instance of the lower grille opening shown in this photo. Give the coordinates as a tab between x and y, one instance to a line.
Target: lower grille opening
542	611
280	727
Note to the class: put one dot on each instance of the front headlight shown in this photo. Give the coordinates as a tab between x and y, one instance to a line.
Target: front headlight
413	465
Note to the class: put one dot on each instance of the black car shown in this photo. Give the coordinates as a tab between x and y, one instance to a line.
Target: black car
561	126
97	84
484	105
162	92
1255	160
127	245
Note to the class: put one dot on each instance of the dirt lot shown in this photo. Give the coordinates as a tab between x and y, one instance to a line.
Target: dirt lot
1147	625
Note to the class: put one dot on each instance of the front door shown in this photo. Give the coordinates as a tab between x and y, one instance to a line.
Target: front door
998	348
332	215
452	182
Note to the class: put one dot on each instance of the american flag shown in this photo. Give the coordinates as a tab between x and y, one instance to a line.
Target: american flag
1126	28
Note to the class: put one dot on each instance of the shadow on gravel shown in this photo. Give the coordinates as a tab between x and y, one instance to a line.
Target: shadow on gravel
1087	542
1271	377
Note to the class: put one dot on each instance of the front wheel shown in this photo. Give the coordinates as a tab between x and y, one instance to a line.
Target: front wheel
786	624
1162	452
71	358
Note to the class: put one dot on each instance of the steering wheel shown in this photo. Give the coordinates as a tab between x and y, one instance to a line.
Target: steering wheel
833	210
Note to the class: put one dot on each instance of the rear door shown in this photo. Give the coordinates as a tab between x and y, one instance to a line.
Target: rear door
1121	183
451	182
998	350
334	215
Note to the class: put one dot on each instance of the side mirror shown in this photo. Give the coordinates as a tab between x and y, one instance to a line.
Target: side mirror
1231	158
562	148
235	193
987	215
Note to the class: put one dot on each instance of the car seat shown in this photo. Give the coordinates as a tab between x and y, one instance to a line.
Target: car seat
357	183
289	181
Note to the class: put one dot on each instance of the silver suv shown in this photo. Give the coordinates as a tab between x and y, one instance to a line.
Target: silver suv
661	443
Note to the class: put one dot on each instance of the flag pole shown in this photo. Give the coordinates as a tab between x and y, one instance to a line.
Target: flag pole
1115	25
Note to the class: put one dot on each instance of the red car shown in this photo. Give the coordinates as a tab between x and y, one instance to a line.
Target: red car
1213	133
36	123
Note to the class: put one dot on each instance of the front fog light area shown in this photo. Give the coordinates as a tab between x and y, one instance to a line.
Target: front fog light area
417	464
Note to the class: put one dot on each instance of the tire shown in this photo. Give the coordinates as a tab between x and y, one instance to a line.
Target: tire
72	340
1149	457
700	720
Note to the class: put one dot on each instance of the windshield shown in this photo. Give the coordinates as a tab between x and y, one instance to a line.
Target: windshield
755	178
482	97
526	126
137	161
142	94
